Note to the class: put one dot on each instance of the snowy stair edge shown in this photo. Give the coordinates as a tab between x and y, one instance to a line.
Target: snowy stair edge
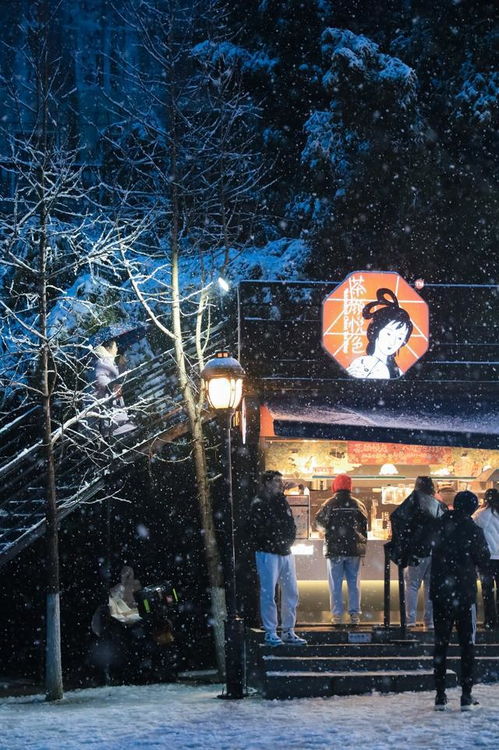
381	673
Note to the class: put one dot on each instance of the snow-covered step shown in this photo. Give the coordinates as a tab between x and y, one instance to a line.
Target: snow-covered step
294	684
346	649
339	664
352	666
486	663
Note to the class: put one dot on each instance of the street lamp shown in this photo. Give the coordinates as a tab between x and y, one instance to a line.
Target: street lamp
223	380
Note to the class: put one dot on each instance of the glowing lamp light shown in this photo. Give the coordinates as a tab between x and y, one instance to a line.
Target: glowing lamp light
223	378
223	284
388	470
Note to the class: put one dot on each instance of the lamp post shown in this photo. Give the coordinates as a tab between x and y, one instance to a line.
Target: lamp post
223	379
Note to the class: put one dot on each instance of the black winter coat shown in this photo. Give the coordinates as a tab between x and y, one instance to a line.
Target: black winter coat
460	547
413	528
344	520
271	525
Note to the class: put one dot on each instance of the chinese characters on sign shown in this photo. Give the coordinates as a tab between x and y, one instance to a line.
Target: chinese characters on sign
353	303
376	453
375	325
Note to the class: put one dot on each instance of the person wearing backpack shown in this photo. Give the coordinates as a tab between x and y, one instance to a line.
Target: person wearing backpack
344	520
413	525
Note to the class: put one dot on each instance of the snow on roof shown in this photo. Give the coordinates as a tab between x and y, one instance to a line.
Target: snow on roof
439	420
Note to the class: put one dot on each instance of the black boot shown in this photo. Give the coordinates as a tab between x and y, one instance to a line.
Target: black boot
440	702
468	703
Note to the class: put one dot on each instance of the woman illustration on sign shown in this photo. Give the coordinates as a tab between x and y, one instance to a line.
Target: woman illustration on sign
389	330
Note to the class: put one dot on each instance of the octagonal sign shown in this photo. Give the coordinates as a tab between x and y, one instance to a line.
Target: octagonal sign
375	325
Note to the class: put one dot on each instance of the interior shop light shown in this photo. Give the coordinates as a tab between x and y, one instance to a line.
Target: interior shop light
302	549
388	470
445	471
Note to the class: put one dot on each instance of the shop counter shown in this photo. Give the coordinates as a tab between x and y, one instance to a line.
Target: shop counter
311	563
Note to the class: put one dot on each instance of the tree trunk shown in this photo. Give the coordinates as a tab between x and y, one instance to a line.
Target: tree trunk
218	609
193	408
53	664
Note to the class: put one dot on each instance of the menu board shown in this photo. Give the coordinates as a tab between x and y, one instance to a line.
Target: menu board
394	495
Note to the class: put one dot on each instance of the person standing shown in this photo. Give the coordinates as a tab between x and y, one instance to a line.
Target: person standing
106	370
273	531
488	520
460	548
413	525
344	520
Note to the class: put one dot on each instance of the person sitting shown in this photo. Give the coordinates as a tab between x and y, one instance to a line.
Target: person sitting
130	585
122	604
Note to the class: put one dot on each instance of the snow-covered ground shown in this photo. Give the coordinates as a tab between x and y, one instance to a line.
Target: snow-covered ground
178	716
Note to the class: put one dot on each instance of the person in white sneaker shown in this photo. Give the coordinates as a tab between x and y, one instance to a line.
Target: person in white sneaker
413	524
273	531
344	520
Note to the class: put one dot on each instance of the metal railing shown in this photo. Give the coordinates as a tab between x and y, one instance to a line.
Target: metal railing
387	594
154	401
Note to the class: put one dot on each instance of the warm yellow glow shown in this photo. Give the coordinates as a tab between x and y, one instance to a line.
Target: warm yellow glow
302	549
225	392
388	470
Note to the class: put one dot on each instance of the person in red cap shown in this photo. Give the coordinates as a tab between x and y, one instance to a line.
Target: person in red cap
344	520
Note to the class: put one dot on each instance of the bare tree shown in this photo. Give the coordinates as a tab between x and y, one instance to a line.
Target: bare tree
52	236
186	142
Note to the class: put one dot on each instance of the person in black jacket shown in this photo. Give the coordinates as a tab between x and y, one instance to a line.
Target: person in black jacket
460	547
344	520
413	525
273	531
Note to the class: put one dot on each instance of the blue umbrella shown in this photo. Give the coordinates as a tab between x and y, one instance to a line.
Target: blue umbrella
125	334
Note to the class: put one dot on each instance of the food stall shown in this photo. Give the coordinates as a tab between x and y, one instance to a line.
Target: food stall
326	393
381	486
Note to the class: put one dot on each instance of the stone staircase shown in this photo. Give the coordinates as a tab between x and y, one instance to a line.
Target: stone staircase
353	661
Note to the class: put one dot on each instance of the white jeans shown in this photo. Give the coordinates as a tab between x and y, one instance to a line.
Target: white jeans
339	568
415	575
272	570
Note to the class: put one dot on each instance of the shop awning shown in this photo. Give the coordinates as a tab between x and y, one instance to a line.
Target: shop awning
448	422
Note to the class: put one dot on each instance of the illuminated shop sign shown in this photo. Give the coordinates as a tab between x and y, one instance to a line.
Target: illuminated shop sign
377	453
375	325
